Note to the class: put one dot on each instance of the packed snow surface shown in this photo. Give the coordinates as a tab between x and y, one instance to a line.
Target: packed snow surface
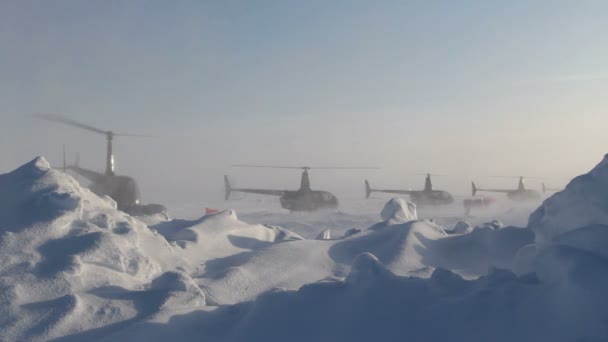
74	268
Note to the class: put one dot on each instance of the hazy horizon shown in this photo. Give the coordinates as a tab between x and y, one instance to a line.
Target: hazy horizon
470	90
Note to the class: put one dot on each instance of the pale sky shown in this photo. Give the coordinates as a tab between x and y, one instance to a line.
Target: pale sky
469	89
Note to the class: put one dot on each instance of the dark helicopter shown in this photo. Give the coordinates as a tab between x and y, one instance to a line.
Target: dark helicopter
122	189
426	197
519	194
303	199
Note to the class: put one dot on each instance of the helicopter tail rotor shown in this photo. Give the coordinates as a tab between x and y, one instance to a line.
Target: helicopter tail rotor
227	188
65	167
368	189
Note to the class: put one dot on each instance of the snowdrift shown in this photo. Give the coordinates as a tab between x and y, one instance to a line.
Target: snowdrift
571	230
405	245
69	261
220	235
373	304
583	202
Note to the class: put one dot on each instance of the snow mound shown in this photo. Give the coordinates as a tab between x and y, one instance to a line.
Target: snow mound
401	247
398	210
462	227
547	259
494	224
366	268
69	261
220	235
571	229
472	254
324	235
293	264
583	202
593	239
416	247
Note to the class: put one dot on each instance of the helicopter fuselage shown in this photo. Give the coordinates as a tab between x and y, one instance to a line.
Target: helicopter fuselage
523	195
309	200
431	198
122	189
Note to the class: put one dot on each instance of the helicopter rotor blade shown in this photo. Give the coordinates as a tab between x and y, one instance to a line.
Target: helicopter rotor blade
132	135
74	123
70	122
308	167
526	177
345	168
272	167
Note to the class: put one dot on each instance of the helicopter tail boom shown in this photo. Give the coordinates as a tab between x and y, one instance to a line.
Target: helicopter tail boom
369	190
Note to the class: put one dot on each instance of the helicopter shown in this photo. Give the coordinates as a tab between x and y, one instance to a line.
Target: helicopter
122	189
303	199
519	194
426	197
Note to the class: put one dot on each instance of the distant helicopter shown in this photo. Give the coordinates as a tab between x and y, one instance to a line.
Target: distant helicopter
303	199
122	189
426	197
519	194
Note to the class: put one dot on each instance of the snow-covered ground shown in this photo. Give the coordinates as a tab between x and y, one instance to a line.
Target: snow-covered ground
74	268
354	212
